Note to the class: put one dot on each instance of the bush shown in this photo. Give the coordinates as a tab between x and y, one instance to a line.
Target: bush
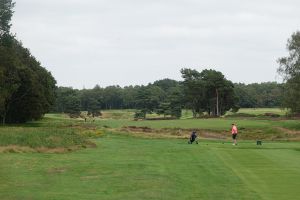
139	115
271	115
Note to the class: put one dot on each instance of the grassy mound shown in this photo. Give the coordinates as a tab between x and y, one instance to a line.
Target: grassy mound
47	136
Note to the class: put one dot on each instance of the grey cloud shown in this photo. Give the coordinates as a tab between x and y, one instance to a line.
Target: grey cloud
125	42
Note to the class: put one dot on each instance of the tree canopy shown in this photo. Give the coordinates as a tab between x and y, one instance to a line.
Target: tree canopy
6	12
26	89
208	91
290	69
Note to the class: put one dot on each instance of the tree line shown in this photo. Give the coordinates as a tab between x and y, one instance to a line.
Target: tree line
203	92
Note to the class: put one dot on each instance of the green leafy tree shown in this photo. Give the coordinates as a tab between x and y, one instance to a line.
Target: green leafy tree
34	94
6	12
91	100
208	91
194	91
148	99
113	97
129	96
27	89
175	97
9	81
166	84
259	95
72	106
290	69
62	94
164	109
216	87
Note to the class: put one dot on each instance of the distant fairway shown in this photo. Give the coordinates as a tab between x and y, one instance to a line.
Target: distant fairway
125	167
260	111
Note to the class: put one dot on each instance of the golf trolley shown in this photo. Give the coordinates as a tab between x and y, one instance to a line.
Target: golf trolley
190	142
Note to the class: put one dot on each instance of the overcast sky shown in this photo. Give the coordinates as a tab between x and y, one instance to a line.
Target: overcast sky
128	42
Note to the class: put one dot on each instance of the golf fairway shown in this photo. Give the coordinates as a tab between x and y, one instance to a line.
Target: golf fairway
124	167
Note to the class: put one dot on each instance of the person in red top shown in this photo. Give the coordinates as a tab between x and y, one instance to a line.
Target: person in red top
234	132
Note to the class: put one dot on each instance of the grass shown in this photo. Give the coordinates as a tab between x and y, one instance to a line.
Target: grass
250	128
37	137
123	167
49	133
132	166
261	111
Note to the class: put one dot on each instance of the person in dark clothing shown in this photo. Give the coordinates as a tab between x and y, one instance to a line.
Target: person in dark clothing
193	137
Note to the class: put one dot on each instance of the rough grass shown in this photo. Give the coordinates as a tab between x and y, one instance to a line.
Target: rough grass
38	137
52	134
249	128
59	131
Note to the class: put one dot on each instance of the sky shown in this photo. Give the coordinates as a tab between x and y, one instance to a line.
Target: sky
134	42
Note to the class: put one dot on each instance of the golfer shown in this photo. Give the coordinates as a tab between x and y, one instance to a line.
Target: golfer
193	137
234	132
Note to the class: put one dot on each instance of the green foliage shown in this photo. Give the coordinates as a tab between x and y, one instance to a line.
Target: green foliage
175	97
290	69
166	84
292	94
72	106
129	96
27	89
91	101
140	115
112	97
62	96
193	93
259	95
164	109
235	109
145	98
208	91
149	98
6	12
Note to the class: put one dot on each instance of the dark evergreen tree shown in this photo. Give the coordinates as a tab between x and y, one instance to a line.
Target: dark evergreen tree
208	91
27	89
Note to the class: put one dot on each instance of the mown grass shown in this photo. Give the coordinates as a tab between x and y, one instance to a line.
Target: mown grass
254	112
124	167
211	124
261	111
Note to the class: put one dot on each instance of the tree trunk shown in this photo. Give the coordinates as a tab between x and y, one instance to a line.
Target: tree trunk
217	94
3	119
194	113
